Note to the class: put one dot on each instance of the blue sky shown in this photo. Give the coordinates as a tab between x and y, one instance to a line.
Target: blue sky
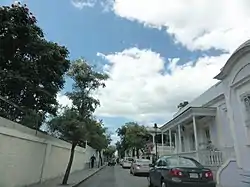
90	30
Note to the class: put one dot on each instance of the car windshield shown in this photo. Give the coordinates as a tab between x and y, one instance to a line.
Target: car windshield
143	161
183	162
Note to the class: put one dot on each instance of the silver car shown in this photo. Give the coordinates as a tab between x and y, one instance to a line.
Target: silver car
127	162
140	166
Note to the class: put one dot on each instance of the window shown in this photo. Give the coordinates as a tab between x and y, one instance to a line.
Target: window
183	162
207	134
162	163
246	107
143	161
245	98
246	101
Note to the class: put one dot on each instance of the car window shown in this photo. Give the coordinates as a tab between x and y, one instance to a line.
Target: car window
162	163
182	162
143	161
157	162
130	159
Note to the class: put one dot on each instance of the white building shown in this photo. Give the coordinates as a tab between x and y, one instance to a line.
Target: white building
215	127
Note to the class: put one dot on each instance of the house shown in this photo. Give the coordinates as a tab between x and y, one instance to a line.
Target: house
215	127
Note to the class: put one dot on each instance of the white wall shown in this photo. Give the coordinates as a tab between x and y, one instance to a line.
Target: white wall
27	158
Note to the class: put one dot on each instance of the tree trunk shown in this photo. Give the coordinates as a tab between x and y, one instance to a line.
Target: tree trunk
137	153
133	152
100	158
67	172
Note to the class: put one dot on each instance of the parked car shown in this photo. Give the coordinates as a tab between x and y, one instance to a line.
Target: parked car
140	166
177	171
127	161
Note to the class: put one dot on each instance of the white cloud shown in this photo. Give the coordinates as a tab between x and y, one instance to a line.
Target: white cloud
141	88
83	3
197	24
63	100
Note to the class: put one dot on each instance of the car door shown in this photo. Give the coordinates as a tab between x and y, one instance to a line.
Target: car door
153	173
158	172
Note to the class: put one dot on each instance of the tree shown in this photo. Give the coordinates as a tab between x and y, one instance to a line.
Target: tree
86	82
98	137
71	127
31	70
183	104
109	151
120	149
77	124
133	136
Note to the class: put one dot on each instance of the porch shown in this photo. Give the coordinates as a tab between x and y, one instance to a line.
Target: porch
194	135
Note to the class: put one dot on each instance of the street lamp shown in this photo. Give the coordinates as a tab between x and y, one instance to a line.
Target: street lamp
155	127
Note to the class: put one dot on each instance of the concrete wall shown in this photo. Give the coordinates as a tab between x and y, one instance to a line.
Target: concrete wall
27	157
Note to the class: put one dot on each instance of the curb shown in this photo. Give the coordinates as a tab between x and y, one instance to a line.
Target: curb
92	174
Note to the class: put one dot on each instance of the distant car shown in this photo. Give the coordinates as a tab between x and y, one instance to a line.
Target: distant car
121	161
111	162
140	166
179	171
127	161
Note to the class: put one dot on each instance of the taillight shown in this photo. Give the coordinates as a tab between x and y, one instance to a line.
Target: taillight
176	173
209	174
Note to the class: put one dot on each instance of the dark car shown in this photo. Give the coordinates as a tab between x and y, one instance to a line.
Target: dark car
111	162
177	171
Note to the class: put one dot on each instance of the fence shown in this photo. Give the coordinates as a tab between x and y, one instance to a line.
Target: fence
27	157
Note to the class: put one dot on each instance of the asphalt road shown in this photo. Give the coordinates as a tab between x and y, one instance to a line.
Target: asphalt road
115	177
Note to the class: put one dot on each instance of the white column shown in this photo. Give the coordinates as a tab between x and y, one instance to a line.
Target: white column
175	143
179	138
162	138
195	134
170	139
153	139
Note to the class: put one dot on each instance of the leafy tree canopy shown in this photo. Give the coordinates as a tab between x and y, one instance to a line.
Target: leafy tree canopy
109	151
133	136
77	124
31	70
183	104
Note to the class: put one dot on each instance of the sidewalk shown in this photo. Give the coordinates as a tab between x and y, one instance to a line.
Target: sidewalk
74	179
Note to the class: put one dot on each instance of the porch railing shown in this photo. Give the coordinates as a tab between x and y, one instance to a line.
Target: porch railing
211	158
216	157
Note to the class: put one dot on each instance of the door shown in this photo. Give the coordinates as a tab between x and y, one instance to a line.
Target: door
153	172
159	171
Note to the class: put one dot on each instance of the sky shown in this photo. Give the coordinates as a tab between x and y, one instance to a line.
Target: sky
157	53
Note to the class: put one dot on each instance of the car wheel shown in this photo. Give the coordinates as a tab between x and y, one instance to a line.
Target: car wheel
130	171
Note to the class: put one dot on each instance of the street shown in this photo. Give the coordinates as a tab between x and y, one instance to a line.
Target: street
115	177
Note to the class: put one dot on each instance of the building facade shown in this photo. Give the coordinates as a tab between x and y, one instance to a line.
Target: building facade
215	127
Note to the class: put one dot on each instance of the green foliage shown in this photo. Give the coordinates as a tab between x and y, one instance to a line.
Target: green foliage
183	104
133	136
31	68
86	82
69	126
77	124
121	149
98	136
109	151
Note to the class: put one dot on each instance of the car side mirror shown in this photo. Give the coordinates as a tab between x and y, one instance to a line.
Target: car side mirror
151	165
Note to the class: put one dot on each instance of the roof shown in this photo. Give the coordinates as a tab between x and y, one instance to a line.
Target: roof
243	48
185	114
